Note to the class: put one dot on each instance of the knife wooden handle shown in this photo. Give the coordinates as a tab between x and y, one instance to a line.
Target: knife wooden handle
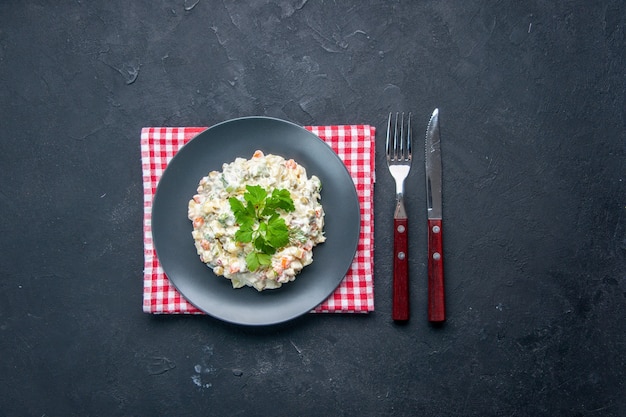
400	305
436	290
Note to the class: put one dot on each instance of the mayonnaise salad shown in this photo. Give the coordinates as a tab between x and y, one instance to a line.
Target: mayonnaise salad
215	226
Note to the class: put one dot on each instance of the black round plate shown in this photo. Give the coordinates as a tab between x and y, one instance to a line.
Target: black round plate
171	229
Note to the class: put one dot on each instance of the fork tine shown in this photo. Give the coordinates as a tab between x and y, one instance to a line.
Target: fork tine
394	152
408	137
402	138
387	142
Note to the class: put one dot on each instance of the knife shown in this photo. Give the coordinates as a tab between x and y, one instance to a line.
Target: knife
432	163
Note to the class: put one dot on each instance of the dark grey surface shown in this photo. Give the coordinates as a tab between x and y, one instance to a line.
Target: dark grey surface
208	151
532	101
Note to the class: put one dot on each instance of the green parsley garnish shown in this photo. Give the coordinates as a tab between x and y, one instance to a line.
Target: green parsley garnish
260	223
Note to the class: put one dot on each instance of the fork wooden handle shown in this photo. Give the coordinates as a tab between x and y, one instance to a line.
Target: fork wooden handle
436	290
400	305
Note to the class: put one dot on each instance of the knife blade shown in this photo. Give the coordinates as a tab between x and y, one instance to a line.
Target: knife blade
432	163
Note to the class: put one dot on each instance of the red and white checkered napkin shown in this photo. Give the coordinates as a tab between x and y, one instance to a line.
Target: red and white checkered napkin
355	146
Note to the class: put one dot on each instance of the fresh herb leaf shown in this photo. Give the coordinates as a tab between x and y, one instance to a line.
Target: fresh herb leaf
244	234
263	246
238	209
277	231
255	194
252	261
260	223
256	259
280	199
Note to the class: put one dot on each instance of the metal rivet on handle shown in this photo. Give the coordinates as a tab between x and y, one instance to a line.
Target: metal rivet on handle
401	228
436	229
436	256
401	255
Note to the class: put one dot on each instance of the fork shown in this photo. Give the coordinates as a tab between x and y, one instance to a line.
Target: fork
398	149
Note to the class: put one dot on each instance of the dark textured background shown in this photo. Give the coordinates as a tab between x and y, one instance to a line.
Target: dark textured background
532	101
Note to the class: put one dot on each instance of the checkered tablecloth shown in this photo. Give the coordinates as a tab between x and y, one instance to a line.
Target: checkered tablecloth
355	146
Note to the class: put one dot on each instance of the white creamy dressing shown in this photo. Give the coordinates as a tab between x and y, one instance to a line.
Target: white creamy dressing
214	224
